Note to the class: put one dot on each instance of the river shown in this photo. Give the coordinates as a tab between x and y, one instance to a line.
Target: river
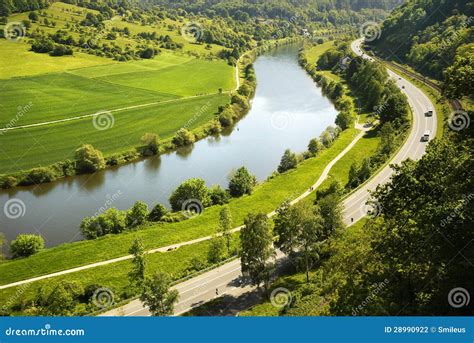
287	111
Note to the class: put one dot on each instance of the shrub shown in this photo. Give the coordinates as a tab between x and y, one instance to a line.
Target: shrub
61	50
288	161
226	117
183	137
111	221
218	195
157	213
38	175
344	120
217	250
152	144
190	190
137	214
89	160
242	182
314	146
25	245
42	46
8	182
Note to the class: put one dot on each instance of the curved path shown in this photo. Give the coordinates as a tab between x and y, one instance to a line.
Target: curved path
413	148
178	245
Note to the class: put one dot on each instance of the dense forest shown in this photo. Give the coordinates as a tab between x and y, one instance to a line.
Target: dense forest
432	35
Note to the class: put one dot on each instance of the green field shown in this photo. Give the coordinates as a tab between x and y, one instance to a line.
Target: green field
27	148
266	197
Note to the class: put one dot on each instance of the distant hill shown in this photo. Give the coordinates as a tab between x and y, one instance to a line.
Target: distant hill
430	35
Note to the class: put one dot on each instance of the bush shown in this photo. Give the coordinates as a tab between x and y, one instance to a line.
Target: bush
314	146
157	213
111	221
42	46
137	215
242	182
218	195
288	161
8	182
89	160
61	50
344	120
226	117
26	245
152	144
37	176
217	250
190	190
183	137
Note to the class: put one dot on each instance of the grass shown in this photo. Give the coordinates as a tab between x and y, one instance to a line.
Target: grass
44	145
365	147
115	276
17	60
313	53
266	197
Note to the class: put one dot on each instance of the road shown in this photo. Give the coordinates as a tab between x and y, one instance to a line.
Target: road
414	148
227	278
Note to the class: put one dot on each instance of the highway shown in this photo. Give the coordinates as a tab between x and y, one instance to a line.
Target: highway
227	279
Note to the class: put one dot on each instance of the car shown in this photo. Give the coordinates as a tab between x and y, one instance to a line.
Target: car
429	112
403	87
426	136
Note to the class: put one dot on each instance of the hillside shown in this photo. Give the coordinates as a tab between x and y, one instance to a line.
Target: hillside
431	36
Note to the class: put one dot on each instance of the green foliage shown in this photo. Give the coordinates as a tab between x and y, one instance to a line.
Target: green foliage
344	120
459	76
217	250
110	221
359	173
89	159
158	296
218	195
288	161
314	146
225	226
242	182
257	249
25	245
152	143
192	189
60	299
37	176
183	137
331	213
137	215
157	213
427	34
139	263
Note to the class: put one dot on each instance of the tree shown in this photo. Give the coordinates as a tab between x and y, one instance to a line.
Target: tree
344	120
139	263
257	249
152	143
300	230
395	104
110	221
158	296
288	161
137	215
242	182
387	139
217	250
218	195
331	213
183	137
226	117
326	138
459	76
88	159
190	190
26	244
225	225
314	146
59	300
157	213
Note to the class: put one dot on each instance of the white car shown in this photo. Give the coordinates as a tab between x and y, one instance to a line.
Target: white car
426	136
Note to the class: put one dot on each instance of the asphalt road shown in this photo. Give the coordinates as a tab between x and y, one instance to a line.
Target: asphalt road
414	148
227	279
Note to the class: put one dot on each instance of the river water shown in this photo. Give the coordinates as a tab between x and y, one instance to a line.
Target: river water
287	111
